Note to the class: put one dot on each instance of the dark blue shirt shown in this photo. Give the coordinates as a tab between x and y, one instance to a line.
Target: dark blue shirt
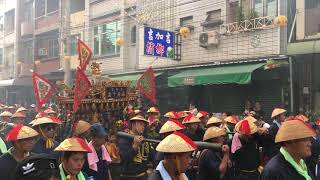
103	173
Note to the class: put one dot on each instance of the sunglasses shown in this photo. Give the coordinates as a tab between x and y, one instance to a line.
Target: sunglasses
50	127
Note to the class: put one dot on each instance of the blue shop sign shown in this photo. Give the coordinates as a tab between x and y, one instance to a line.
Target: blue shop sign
158	42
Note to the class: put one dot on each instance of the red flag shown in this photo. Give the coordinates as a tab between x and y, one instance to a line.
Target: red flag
42	89
146	84
84	54
81	88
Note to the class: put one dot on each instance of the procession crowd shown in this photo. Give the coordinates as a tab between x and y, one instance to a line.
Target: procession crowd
191	144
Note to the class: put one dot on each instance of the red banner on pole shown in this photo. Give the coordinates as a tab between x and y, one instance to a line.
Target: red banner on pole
81	88
84	54
42	89
146	84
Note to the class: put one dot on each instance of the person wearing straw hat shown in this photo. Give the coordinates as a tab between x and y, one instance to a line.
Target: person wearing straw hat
46	144
171	115
135	153
168	128
11	109
211	163
214	122
5	119
204	117
245	149
23	139
97	162
279	116
177	149
193	130
230	122
74	151
294	137
18	118
38	167
82	130
153	116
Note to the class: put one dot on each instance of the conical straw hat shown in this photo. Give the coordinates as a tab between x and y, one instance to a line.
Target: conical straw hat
213	120
18	115
81	127
172	115
277	111
176	143
73	145
21	132
294	129
232	119
21	109
153	110
250	118
139	118
171	125
183	114
201	114
191	119
213	132
302	117
246	127
6	114
45	120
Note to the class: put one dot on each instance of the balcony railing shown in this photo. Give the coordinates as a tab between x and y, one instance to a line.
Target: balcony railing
47	21
247	25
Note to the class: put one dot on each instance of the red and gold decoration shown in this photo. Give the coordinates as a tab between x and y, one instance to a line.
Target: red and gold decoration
42	89
272	64
81	88
84	54
146	84
21	132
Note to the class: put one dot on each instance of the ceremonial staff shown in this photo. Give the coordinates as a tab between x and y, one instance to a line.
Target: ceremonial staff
201	145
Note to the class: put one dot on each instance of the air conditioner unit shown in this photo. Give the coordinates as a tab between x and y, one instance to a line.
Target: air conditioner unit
42	52
209	39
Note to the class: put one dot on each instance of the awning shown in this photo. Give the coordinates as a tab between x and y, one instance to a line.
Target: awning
238	74
16	82
131	77
307	47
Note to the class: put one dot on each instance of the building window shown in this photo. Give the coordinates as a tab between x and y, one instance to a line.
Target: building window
185	21
53	48
27	11
28	52
73	44
1	55
312	20
214	15
9	21
265	7
52	5
105	36
40	8
133	35
77	5
1	24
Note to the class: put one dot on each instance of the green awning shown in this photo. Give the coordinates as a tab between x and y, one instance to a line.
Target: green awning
238	74
131	77
307	47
